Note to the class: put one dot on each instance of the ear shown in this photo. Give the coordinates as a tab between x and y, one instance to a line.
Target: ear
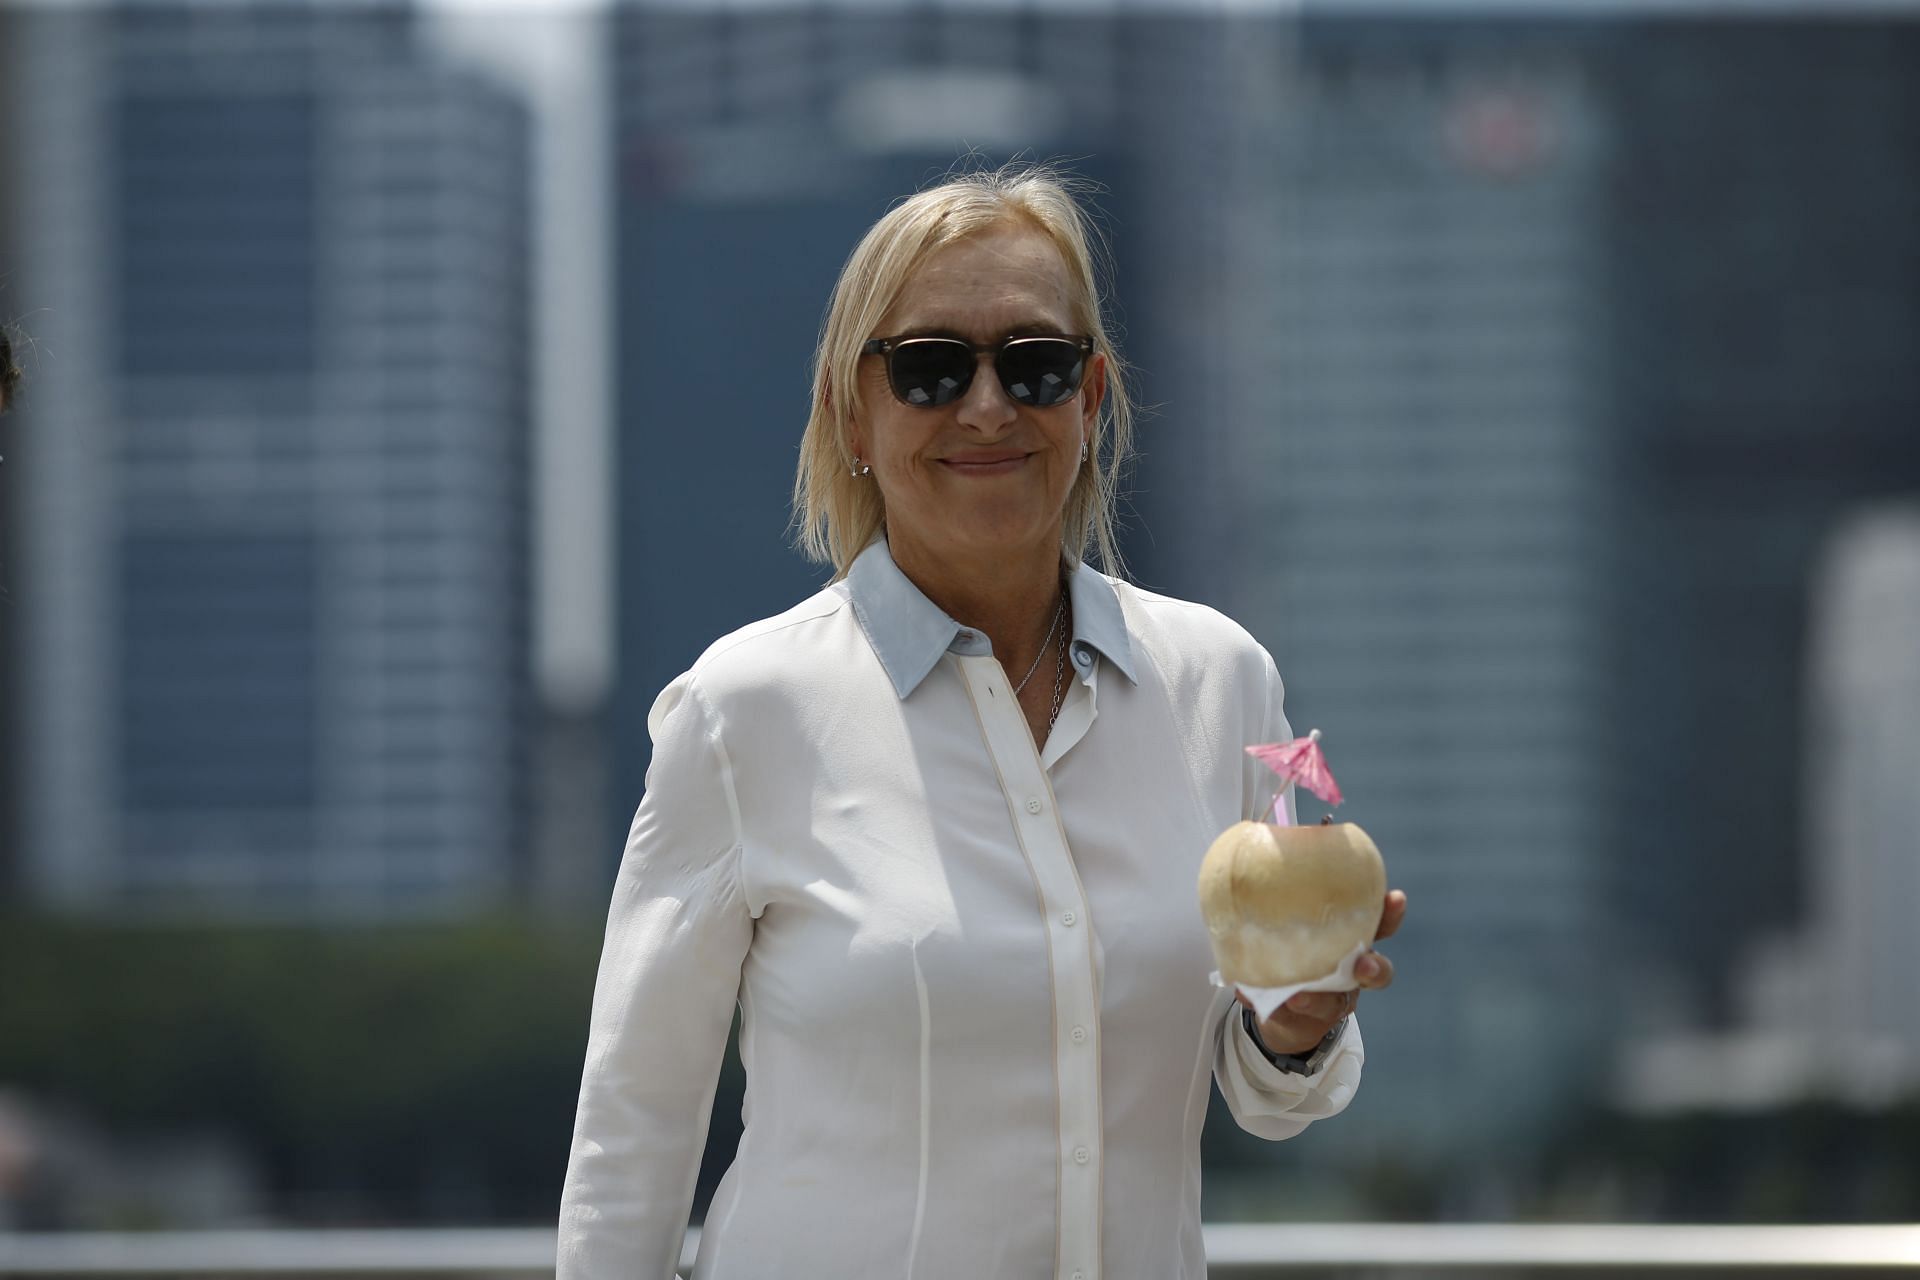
857	440
854	440
1093	392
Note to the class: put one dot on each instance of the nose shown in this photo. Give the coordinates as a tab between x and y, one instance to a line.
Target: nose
986	406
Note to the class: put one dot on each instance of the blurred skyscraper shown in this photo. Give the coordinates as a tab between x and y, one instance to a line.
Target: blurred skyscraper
1420	505
1766	261
1863	832
1830	1008
1838	994
273	588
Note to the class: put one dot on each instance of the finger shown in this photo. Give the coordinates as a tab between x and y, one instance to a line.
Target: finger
1374	971
1391	916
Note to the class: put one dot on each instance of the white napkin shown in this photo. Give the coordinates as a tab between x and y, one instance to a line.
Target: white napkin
1267	999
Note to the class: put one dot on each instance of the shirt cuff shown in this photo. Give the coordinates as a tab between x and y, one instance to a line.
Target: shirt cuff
1270	1103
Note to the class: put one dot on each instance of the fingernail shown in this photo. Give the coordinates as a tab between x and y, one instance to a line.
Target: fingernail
1366	968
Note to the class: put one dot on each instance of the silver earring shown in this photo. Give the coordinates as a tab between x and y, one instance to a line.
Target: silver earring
858	470
1083	452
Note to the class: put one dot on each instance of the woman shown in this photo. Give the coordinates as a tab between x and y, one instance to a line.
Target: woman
937	830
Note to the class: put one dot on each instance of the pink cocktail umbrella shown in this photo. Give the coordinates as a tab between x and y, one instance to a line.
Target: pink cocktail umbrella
1299	761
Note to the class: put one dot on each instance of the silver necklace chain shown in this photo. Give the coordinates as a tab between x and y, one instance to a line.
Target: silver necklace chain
1059	671
1044	646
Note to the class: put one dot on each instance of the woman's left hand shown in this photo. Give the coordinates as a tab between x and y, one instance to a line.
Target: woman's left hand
1303	1022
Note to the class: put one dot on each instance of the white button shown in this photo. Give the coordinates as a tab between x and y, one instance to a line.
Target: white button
1033	804
1079	1275
1079	1035
1081	1155
1069	919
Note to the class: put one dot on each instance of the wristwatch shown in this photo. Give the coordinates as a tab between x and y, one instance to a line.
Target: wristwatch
1294	1064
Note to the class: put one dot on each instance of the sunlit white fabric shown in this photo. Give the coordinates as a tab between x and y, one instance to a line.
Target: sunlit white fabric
976	1018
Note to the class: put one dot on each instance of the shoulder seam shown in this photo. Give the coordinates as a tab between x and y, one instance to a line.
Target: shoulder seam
766	627
1145	596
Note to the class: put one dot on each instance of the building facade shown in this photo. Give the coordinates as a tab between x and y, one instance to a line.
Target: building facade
274	580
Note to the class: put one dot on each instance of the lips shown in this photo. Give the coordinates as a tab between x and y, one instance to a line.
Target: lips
984	463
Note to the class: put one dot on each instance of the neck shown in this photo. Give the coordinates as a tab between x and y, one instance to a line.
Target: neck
1012	597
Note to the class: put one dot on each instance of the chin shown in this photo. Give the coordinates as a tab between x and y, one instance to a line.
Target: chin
1004	535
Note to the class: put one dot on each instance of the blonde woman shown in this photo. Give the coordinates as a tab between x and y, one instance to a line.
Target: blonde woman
936	830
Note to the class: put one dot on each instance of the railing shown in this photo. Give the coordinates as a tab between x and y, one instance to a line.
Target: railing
1234	1252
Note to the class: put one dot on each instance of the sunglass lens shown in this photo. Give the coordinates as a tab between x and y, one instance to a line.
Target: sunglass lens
931	371
1041	371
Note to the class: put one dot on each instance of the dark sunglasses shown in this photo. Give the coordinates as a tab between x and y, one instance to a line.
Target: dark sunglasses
930	372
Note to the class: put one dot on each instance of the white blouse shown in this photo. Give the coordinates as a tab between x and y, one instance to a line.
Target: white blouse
976	1019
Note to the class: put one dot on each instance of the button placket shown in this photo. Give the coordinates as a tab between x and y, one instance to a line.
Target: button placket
1071	962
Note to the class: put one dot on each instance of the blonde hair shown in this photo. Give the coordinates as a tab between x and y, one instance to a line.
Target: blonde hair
836	514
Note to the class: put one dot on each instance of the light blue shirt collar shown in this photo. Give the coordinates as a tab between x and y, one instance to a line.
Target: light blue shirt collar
910	632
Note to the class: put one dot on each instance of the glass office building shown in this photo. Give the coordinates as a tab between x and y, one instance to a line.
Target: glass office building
275	551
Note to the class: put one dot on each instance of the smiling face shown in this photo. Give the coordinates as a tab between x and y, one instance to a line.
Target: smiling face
984	478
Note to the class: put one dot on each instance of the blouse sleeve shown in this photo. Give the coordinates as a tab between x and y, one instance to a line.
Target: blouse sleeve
677	934
1263	1099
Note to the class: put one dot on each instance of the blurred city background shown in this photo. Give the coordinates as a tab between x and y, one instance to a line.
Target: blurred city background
411	391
